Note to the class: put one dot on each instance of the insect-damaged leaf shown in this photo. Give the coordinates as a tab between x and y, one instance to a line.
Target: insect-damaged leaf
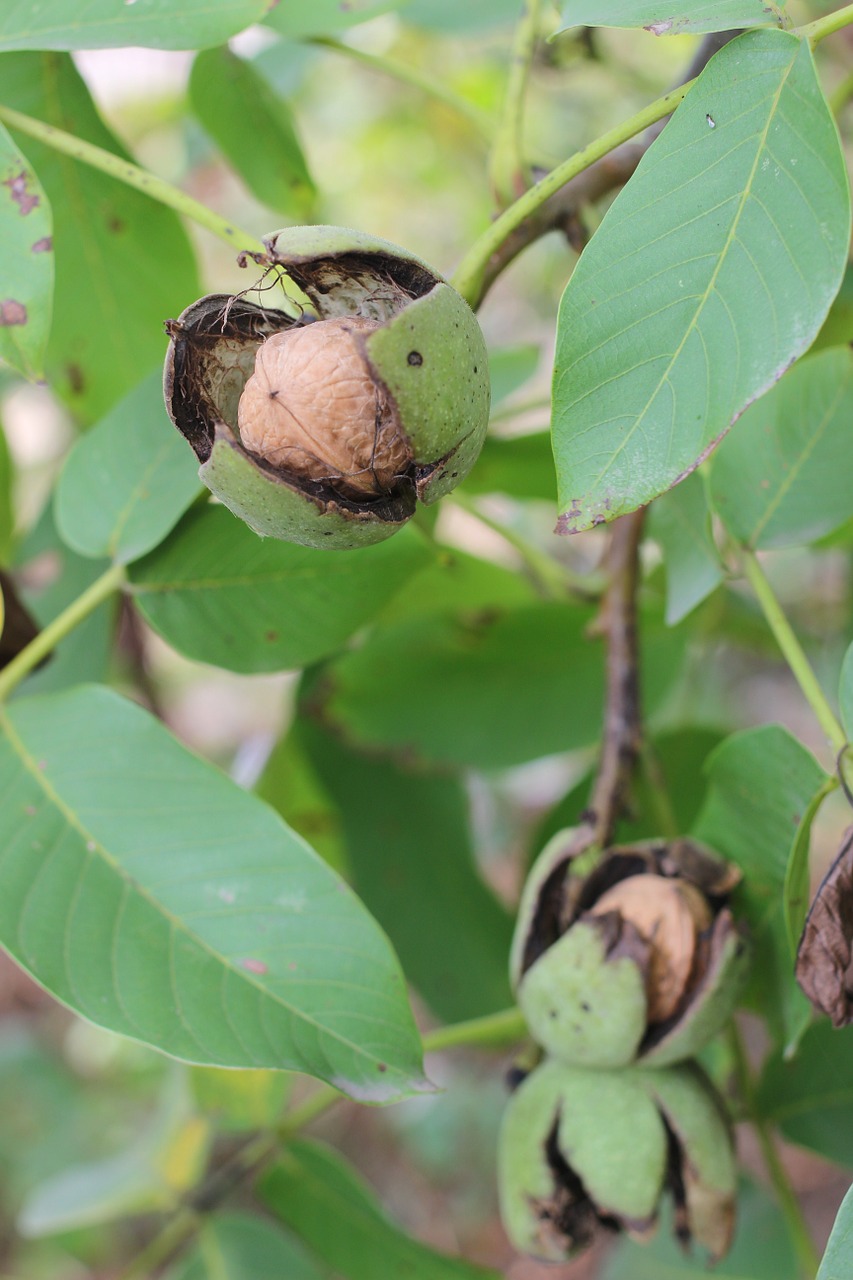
710	274
26	262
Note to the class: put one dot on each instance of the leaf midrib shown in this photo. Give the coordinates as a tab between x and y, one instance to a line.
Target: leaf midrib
714	275
53	796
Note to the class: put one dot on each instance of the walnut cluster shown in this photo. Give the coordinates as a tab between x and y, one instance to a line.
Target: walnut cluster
312	408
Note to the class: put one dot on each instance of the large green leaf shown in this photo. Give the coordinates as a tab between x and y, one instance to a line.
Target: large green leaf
670	20
326	1203
837	1261
128	481
762	783
486	689
154	897
681	523
408	844
761	1250
321	17
775	481
242	1246
26	262
810	1096
105	24
220	594
711	272
234	103
123	262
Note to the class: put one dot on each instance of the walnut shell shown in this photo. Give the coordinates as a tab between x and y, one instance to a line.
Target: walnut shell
312	407
669	915
414	376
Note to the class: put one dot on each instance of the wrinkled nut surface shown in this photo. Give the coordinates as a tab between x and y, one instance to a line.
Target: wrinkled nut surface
669	915
389	409
312	407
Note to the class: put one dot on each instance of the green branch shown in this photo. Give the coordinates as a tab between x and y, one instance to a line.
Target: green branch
823	27
47	640
494	1030
133	176
792	650
468	277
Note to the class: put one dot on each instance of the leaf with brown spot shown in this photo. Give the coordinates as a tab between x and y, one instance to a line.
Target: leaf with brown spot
112	291
825	956
25	218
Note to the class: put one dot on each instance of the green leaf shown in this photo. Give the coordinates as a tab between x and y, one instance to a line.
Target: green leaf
837	1261
797	886
762	785
810	1095
322	17
522	466
239	1246
128	481
123	262
62	575
710	273
666	19
408	844
104	24
234	103
845	693
681	523
455	581
761	1249
154	897
838	327
134	1181
220	594
290	784
511	367
483	689
326	1203
239	1100
26	262
776	482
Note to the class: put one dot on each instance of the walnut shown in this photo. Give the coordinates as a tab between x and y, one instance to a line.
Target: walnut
669	915
313	409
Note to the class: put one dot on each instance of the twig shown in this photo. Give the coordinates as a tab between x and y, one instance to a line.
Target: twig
622	714
562	211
